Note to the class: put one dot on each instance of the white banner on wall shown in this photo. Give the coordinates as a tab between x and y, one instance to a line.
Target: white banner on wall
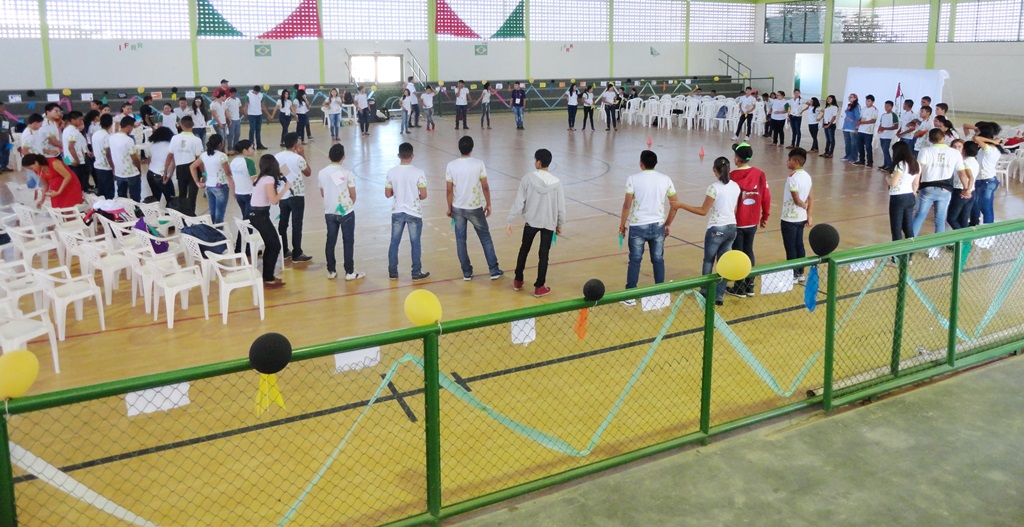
883	83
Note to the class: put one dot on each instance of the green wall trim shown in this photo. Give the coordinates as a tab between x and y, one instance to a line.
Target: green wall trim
526	35
431	40
320	40
44	38
686	37
611	38
951	30
830	11
193	29
933	34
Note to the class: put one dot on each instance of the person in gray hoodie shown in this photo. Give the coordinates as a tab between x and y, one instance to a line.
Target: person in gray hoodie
541	202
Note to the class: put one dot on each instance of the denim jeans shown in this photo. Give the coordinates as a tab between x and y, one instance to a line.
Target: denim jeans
886	146
292	209
793	241
518	111
984	191
485	113
572	115
959	213
302	122
529	233
652	234
717	241
850	145
415	116
347	225
405	122
286	121
428	115
5	154
460	115
901	215
236	132
218	198
865	150
129	187
105	183
910	142
479	221
364	121
830	139
256	130
219	130
335	120
794	125
399	221
609	117
927	198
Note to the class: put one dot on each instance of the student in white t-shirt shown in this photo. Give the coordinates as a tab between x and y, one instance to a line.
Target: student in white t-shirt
796	208
888	123
295	169
903	183
185	148
908	124
469	202
217	182
243	170
284	109
866	133
719	206
797	107
461	104
169	119
940	164
411	86
427	98
254	110
922	133
182	110
485	105
332	107
363	107
747	103
408	186
103	165
76	148
815	114
643	220
406	103
338	190
962	199
127	167
217	118
608	101
200	117
572	103
233	114
157	176
779	113
988	157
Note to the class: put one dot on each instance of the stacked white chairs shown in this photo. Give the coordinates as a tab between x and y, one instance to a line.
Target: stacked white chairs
632	110
689	115
760	118
17	329
61	289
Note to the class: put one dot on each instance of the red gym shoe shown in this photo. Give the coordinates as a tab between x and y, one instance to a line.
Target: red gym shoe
541	291
517	285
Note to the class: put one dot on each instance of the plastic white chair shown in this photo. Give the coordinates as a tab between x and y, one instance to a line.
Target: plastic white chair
196	247
30	244
109	263
235	272
17	280
22	194
69	218
17	329
157	217
119	234
32	218
145	268
73	242
179	282
689	115
665	113
62	289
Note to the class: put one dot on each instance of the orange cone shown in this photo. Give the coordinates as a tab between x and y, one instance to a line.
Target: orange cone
701	153
649	142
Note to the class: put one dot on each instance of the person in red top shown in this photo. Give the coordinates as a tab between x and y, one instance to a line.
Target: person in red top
752	210
224	89
59	183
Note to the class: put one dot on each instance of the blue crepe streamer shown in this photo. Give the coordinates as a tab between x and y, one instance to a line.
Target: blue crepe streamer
811	289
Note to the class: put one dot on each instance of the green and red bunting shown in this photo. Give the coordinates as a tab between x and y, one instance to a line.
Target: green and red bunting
468	19
212	24
303	22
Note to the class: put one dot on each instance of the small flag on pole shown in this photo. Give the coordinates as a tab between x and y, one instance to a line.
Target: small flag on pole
899	90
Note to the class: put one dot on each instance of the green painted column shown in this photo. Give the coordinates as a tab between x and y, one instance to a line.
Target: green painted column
193	28
432	39
933	34
830	11
44	38
611	38
526	34
320	40
686	36
951	34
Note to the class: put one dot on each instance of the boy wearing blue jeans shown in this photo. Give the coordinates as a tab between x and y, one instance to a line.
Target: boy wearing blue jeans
469	201
408	185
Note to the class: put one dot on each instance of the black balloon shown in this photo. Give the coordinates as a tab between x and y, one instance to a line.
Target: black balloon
593	290
174	90
270	353
824	239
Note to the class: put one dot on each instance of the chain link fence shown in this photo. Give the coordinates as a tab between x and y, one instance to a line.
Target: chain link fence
522	399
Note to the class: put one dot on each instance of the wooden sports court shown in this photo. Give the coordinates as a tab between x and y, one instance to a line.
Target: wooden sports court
158	466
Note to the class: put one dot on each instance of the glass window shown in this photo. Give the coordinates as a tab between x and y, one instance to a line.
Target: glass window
19	19
801	22
649	20
376	68
721	22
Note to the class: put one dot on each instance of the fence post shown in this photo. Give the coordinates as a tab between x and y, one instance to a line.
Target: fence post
709	346
432	397
830	332
897	330
8	508
954	302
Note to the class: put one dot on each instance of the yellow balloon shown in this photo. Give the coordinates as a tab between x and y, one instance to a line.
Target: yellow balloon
266	86
204	89
141	89
531	80
440	83
422	307
572	81
18	370
716	79
373	88
66	92
734	265
483	81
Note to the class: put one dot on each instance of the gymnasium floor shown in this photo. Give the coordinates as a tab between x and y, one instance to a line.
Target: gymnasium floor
571	384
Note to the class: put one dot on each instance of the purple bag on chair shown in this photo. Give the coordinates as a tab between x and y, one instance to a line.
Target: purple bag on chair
158	247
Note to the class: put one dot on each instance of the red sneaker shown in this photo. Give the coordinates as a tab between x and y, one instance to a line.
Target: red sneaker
517	285
541	291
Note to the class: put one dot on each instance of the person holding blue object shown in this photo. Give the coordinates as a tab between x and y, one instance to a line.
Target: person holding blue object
644	218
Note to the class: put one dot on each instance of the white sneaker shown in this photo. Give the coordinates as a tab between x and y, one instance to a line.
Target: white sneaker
332	276
735	137
353	276
746	138
628	303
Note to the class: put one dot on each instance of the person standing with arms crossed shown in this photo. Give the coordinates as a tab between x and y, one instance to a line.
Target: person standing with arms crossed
746	102
469	201
541	202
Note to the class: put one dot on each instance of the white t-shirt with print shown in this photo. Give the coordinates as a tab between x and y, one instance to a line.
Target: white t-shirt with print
46	132
186	147
362	101
233	106
240	173
121	149
100	147
988	157
970	163
868	114
255	101
80	146
335	181
158	153
405	182
723	210
831	113
888	120
465	174
295	165
800	182
796	106
213	165
906	117
939	163
923	141
461	96
650	189
906	183
217	112
746	103
179	114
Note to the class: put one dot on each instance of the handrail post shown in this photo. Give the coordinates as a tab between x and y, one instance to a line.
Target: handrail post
432	397
709	354
8	507
954	302
901	298
830	333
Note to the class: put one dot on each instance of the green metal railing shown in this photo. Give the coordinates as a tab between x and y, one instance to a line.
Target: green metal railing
500	418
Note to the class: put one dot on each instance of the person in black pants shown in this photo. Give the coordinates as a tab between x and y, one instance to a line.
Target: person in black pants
265	193
901	191
812	122
588	107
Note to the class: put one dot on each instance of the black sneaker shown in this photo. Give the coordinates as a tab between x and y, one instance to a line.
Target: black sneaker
302	258
421	276
736	291
719	302
287	255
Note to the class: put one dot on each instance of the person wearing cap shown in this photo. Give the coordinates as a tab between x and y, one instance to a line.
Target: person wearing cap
223	90
752	210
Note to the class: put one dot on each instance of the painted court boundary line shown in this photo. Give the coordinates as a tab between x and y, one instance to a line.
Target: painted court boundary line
398	396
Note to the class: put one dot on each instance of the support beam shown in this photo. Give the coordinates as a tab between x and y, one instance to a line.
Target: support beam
432	39
830	11
526	35
320	40
193	29
933	33
44	37
611	38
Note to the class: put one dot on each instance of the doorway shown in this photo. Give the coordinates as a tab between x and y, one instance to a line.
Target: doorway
376	69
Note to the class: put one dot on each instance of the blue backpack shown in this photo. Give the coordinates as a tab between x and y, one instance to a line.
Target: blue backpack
209	235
